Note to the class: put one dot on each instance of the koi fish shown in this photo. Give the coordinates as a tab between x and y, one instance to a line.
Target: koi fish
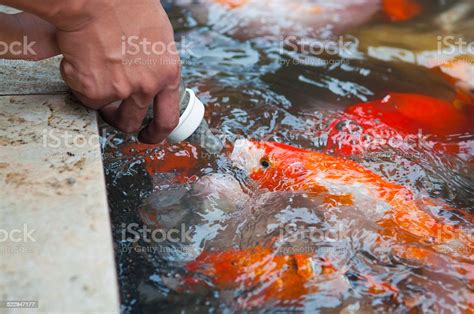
459	71
395	10
280	167
284	280
401	10
318	14
364	127
255	18
179	159
275	279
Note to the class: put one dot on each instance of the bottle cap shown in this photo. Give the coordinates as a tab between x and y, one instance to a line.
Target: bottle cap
190	119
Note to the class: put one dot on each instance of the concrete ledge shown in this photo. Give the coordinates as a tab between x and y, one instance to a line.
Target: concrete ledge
52	190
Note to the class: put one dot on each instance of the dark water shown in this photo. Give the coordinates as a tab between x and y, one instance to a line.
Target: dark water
258	88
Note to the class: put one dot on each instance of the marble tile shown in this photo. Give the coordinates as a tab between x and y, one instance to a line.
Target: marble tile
19	77
52	190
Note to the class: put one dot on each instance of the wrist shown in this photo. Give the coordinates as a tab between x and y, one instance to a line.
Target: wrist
67	15
71	15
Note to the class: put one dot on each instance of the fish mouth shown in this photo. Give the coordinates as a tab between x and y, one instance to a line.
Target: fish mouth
246	155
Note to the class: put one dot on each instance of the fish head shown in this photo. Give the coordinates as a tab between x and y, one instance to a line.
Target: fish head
274	166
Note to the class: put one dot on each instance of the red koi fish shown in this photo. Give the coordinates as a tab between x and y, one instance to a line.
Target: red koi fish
401	10
401	117
280	167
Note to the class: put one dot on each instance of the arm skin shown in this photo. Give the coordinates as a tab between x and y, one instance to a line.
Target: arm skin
17	27
65	14
90	35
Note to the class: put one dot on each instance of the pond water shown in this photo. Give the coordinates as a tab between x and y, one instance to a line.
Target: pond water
180	215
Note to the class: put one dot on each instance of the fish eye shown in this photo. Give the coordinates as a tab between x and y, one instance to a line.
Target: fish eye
265	163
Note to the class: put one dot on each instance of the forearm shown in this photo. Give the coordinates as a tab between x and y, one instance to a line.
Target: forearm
64	14
9	28
26	36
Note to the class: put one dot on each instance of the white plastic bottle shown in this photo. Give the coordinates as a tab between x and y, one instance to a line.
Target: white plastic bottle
192	126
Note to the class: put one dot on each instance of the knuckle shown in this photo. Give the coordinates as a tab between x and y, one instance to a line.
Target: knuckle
121	89
176	69
173	72
128	127
90	90
148	87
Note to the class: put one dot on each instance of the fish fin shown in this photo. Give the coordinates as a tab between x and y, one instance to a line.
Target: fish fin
338	200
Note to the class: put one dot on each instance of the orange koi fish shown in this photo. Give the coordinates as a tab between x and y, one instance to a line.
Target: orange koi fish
179	159
280	167
398	115
401	10
285	279
275	279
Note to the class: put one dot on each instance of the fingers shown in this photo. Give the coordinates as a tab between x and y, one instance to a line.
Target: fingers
72	78
128	115
165	116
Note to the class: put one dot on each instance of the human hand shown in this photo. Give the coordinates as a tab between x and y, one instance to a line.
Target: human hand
96	68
